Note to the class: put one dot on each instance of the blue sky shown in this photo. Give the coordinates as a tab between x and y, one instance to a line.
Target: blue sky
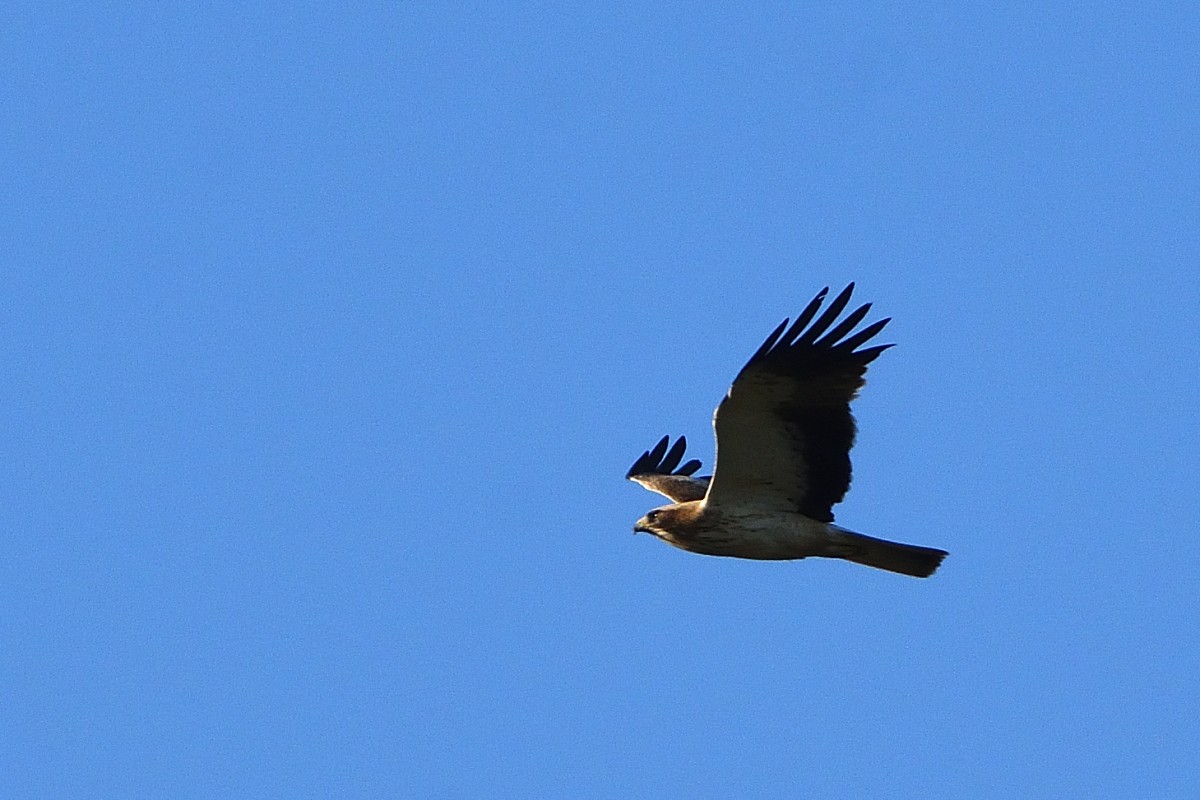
330	333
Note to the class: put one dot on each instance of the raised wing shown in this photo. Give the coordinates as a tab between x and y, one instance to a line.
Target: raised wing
784	430
659	471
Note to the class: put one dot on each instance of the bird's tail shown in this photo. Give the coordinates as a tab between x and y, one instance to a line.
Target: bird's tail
907	559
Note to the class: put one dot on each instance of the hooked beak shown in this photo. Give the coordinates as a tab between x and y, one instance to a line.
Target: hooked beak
640	527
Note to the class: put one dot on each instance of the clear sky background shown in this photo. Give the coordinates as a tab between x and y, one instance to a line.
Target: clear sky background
329	334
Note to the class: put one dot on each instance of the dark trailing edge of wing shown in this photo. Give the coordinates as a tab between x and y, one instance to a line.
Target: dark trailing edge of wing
803	341
658	461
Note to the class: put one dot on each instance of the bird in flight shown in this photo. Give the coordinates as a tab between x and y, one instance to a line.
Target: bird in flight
784	433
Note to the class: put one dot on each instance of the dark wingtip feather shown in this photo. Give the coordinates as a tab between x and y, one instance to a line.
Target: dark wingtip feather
863	336
808	338
658	461
771	340
869	354
805	317
672	458
826	319
845	326
648	459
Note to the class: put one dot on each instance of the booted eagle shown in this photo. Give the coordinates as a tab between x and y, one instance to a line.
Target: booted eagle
784	433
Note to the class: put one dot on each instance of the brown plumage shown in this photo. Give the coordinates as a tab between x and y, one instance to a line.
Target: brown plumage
784	433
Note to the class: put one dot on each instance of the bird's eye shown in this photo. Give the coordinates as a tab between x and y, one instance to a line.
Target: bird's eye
652	516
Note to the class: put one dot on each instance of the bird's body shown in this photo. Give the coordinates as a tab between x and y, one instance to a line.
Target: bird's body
710	531
784	433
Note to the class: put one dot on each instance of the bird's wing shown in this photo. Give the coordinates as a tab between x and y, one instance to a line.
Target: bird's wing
784	430
659	471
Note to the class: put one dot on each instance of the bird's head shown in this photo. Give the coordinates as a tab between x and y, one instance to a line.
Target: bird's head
666	520
650	522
